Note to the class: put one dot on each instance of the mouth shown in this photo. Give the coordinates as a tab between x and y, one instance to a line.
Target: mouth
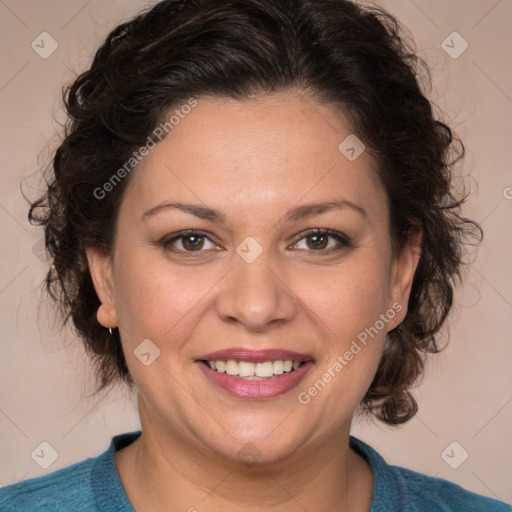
255	374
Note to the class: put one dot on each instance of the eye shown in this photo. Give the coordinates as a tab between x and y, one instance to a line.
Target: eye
189	241
318	240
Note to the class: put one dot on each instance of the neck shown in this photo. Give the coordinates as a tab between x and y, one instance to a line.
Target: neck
163	471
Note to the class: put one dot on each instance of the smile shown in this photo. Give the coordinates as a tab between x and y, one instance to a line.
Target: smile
255	374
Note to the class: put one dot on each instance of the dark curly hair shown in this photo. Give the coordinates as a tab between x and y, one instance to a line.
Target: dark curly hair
340	53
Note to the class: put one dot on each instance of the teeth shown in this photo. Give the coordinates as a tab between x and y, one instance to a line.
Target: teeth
278	367
265	369
254	371
231	367
246	369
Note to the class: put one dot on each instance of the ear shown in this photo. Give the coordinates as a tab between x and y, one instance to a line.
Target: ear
100	267
404	266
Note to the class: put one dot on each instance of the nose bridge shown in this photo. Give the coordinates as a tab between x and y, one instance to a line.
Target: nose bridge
254	293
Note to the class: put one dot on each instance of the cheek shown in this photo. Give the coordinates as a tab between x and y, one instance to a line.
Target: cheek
347	298
347	310
156	302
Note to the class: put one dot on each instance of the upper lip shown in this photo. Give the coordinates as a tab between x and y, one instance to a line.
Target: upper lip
255	355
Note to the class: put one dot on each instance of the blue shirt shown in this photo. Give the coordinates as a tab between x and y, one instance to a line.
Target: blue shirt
93	485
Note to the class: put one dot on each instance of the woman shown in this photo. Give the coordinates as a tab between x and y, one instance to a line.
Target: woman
251	223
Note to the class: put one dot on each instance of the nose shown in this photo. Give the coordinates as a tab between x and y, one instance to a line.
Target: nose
256	295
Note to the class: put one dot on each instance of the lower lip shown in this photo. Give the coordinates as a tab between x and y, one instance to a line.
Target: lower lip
256	389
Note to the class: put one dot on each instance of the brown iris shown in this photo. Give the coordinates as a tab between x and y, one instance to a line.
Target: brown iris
320	241
193	242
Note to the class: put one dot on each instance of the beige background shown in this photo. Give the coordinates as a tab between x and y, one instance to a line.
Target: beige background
467	395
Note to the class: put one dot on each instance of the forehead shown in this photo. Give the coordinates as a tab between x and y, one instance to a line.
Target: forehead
262	153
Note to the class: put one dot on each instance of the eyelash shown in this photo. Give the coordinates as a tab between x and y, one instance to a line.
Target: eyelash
343	240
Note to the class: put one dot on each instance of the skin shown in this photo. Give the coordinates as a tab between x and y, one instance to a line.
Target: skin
253	161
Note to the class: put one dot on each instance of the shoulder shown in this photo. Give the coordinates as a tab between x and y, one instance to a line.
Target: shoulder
68	488
436	494
403	490
88	486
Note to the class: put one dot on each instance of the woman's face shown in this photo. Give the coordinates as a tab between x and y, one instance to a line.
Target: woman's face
253	283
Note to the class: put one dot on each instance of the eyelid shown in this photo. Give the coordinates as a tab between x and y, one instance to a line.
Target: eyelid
341	238
168	240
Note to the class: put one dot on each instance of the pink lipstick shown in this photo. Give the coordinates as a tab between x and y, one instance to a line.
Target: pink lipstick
255	374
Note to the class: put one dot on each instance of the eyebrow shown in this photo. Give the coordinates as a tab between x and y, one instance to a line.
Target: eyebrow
310	209
202	212
297	213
